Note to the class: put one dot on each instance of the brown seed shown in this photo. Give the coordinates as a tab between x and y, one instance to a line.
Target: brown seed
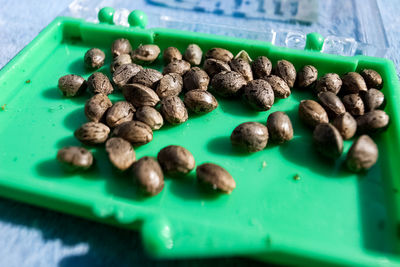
363	154
228	83
145	54
279	86
170	85
251	136
99	83
372	79
372	122
173	110
96	107
120	112
307	76
312	113
176	160
92	133
354	104
213	67
140	95
286	71
200	101
346	125
327	140
330	82
120	153
215	177
94	58
262	67
373	99
259	95
331	103
124	73
193	54
219	54
243	67
147	77
119	61
353	83
280	127
71	85
177	66
171	54
148	176
75	158
196	78
150	116
120	47
135	132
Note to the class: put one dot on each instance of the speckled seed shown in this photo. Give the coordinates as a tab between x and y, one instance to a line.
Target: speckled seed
220	54
346	125
176	160
372	79
327	140
280	127
227	83
120	153
372	122
150	116
92	133
140	95
94	58
135	132
213	67
353	83
200	101
71	85
251	136
312	113
331	103
279	86
120	47
119	61
363	154
286	71
171	54
354	104
173	110
215	177
243	67
330	82
124	73
120	112
147	77
99	83
177	66
262	67
196	78
96	107
170	85
75	158
145	54
373	99
307	76
147	174
193	54
259	95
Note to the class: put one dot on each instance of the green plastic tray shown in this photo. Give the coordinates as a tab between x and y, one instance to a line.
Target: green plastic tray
329	216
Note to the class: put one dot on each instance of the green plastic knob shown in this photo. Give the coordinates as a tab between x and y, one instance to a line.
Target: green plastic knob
106	15
314	41
137	18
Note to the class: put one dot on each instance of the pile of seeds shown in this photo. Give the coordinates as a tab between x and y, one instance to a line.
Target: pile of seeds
352	104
